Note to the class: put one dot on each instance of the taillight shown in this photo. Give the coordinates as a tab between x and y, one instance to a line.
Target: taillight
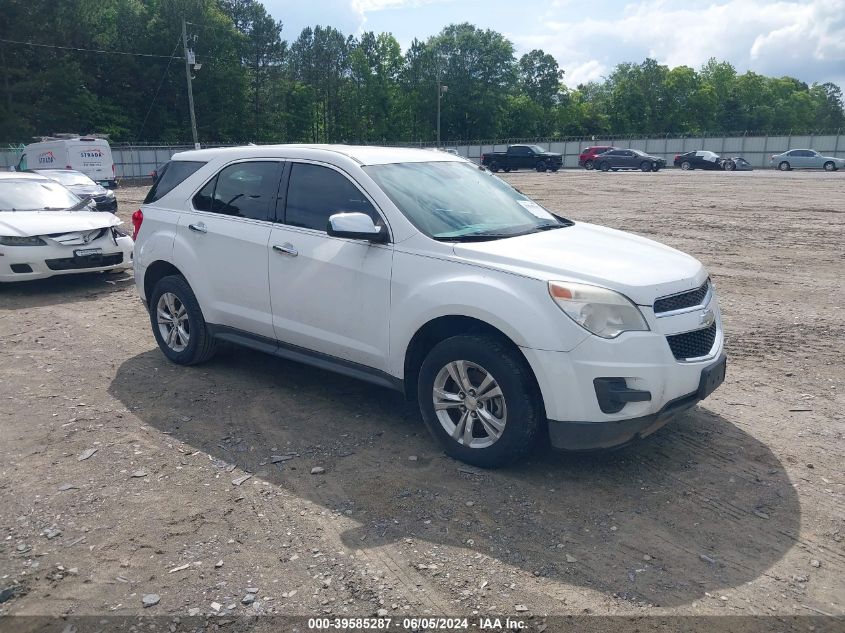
677	157
137	219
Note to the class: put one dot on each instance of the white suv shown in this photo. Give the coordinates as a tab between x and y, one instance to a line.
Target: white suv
419	271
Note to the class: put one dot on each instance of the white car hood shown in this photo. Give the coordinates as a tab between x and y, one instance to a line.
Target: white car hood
639	268
32	223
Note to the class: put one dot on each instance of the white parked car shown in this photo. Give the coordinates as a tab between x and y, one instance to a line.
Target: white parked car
806	159
418	271
46	230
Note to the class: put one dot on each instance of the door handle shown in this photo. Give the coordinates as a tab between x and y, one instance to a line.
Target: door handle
198	228
286	248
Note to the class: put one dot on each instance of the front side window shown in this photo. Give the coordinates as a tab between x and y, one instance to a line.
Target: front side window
456	201
315	193
242	190
170	176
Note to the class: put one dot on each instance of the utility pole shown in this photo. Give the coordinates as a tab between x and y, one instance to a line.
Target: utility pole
188	62
441	90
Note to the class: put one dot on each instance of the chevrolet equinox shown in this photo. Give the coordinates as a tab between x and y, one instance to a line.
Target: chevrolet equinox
421	272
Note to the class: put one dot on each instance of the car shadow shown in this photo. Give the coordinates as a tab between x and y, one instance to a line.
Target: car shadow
62	289
701	505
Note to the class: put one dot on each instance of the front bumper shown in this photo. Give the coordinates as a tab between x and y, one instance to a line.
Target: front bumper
587	436
106	204
25	263
607	392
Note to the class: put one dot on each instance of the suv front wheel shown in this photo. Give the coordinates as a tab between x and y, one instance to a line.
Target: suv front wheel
178	325
479	399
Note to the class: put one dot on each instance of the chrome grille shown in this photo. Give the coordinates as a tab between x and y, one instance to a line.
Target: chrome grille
688	299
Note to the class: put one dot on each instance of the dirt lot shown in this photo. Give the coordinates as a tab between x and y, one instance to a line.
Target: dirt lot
738	507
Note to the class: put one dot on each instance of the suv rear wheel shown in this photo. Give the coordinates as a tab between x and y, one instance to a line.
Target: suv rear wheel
178	325
479	399
588	165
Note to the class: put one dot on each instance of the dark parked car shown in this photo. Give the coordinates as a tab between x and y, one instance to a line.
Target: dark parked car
700	159
703	159
587	158
616	159
522	157
736	163
82	186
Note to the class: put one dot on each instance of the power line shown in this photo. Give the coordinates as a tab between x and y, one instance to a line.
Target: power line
160	84
89	50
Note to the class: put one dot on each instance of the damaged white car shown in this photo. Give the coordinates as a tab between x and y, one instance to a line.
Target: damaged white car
46	230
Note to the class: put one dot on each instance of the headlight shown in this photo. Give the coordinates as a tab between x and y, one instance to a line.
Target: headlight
603	312
12	240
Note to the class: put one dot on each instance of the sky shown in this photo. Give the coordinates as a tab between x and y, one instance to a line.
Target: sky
800	38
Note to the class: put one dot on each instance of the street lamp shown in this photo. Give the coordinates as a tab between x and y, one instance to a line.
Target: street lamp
441	90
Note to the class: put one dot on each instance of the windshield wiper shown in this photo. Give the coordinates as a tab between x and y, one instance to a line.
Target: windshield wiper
474	237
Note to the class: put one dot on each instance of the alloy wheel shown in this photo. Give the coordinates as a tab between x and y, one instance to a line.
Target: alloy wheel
469	404
173	324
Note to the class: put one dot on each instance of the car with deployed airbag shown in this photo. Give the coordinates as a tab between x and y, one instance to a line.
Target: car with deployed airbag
421	272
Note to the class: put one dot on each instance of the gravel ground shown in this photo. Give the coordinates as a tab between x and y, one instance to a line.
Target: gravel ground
125	476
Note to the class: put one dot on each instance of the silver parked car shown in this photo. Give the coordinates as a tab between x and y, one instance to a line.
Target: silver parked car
806	159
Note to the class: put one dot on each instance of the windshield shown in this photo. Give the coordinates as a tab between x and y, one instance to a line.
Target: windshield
21	195
68	178
458	201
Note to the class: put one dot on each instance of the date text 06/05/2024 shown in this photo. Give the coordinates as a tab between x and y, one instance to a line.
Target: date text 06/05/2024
415	624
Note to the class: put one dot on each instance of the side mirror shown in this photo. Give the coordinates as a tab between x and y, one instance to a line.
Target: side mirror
356	226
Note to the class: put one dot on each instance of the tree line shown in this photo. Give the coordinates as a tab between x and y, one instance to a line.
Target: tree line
116	67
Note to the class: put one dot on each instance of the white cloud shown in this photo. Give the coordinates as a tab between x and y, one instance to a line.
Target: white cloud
804	38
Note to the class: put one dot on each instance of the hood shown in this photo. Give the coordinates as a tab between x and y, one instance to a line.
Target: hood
32	223
87	190
639	268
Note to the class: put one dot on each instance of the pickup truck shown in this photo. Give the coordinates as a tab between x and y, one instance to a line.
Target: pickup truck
522	157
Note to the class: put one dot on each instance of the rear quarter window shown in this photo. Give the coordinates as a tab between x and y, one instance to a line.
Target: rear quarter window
171	176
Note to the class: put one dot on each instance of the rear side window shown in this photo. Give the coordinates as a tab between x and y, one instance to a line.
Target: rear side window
170	176
316	192
243	190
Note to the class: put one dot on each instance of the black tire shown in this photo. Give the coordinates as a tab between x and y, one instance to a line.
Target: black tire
556	169
784	166
494	167
201	345
604	166
686	165
729	165
588	165
614	169
507	170
655	167
646	166
830	166
519	391
542	166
